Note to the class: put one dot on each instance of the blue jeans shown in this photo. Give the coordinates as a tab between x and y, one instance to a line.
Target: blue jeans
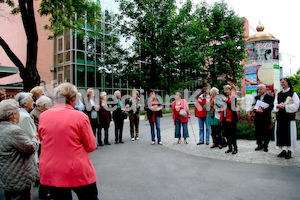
157	124
178	129
202	121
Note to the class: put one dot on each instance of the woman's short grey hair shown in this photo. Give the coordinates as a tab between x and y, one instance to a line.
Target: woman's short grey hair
102	94
22	98
262	85
227	86
214	89
43	100
65	93
178	93
116	92
7	108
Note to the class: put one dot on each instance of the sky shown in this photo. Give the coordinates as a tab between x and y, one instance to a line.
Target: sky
280	18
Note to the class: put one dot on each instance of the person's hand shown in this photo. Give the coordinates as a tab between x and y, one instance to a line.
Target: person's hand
36	137
260	110
123	109
281	106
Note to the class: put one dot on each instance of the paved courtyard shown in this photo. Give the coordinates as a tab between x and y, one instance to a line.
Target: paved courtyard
137	170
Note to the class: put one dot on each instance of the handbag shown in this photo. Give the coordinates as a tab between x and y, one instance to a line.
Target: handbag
183	113
125	115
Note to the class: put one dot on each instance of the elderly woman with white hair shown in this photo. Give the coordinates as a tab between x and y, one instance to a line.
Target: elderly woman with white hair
18	169
213	117
67	139
229	119
42	104
118	117
26	104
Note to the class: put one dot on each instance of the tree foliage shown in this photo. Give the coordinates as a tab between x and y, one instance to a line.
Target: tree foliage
62	15
176	47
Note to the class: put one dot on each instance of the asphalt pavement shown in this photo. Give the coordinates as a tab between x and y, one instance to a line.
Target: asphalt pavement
137	170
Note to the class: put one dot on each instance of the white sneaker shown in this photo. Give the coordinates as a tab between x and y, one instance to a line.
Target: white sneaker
153	143
132	139
137	138
160	143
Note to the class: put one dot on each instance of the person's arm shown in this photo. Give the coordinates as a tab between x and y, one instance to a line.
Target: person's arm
292	108
87	135
23	143
28	126
276	109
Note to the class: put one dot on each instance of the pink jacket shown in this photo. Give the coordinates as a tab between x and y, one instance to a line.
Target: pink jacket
66	138
183	106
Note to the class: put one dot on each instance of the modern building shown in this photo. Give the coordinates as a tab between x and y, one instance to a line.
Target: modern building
80	57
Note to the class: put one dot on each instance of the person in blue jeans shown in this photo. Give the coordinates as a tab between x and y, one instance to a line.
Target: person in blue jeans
154	113
201	113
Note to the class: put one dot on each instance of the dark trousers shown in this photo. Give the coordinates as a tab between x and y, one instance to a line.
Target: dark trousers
134	123
18	195
119	129
100	134
94	125
216	134
230	134
262	133
86	192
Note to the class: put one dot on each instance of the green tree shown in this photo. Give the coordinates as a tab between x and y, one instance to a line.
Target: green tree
62	15
295	81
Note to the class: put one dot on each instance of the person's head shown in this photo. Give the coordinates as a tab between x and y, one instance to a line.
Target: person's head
66	93
79	95
135	94
177	96
227	90
90	93
37	92
2	94
9	111
285	83
117	94
214	92
25	100
151	93
261	89
103	96
204	91
43	103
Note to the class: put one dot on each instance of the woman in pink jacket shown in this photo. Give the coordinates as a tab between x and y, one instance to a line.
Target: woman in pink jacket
179	119
67	139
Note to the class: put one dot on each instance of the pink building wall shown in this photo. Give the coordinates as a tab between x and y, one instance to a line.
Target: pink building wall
12	31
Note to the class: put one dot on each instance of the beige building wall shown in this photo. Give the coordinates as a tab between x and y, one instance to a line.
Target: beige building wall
12	31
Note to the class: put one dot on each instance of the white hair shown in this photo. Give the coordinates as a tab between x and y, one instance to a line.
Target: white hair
22	98
102	94
7	108
65	93
214	89
262	85
116	92
43	100
227	86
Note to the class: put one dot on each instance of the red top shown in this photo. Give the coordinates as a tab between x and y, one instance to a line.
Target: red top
184	106
66	139
200	111
176	111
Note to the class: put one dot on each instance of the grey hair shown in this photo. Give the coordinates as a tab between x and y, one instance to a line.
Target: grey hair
262	85
43	100
214	89
102	94
7	108
116	92
22	97
227	86
65	93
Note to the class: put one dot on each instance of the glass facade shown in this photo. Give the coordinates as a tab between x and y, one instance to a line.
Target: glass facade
85	59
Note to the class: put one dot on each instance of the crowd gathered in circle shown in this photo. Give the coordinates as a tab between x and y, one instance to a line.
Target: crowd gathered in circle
47	140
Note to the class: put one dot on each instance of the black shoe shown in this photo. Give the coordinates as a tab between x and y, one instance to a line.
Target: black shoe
107	143
121	142
199	143
258	148
207	143
116	142
235	151
288	155
101	145
266	149
282	154
228	151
